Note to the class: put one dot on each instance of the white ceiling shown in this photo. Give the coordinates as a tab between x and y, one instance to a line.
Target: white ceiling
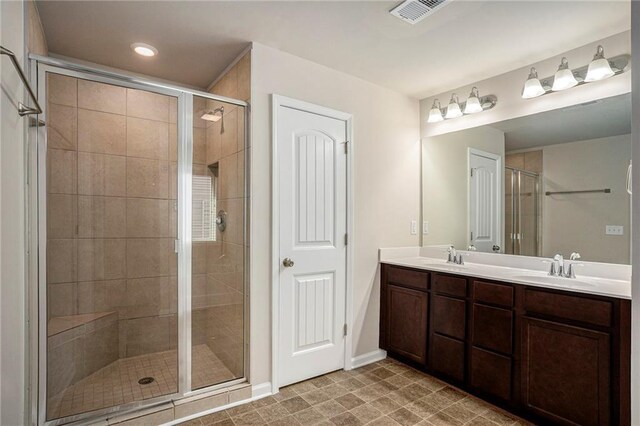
463	42
591	120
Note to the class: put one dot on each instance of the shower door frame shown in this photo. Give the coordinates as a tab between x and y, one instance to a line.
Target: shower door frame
37	217
516	181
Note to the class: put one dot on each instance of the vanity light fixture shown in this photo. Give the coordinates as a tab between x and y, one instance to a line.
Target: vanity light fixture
435	113
453	109
599	68
564	78
144	49
532	87
473	104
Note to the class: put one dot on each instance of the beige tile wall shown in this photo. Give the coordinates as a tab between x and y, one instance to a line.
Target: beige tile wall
218	278
110	204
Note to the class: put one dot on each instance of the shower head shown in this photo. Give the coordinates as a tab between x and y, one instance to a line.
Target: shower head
213	115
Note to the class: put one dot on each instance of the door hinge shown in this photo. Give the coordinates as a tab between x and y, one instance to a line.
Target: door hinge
344	329
472	172
176	246
346	239
346	147
471	235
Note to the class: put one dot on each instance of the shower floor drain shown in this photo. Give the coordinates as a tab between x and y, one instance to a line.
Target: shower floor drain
146	380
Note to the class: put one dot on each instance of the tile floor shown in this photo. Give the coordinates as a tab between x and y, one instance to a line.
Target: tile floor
118	384
383	393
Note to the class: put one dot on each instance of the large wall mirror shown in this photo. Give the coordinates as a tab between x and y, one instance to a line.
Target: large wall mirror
553	182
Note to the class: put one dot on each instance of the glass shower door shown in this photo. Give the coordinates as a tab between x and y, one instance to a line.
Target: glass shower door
522	215
528	214
219	200
111	267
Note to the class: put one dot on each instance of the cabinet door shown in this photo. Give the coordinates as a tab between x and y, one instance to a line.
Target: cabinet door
446	356
566	372
490	373
407	323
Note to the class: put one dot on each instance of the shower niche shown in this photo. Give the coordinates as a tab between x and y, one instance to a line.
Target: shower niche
141	294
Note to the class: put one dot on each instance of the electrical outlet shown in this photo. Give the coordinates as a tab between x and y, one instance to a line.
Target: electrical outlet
425	227
614	230
414	227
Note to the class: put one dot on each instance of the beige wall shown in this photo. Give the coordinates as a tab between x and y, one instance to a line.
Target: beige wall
386	152
37	42
445	183
12	223
577	222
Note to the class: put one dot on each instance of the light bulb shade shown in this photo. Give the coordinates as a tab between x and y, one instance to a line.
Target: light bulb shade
599	69
435	115
532	87
564	78
453	110
473	105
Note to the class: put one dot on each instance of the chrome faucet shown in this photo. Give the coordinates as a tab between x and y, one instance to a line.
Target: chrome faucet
451	257
571	273
559	259
559	269
454	257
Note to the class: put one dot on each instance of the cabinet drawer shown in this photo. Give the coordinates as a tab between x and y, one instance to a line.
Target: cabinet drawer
448	316
407	277
493	328
495	294
452	286
446	356
596	312
490	373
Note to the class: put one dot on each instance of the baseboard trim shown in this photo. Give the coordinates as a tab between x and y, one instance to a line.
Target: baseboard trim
260	390
368	358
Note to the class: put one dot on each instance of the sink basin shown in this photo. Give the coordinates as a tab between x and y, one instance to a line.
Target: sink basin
444	265
545	279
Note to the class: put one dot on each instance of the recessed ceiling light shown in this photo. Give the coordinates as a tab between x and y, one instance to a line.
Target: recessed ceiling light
144	49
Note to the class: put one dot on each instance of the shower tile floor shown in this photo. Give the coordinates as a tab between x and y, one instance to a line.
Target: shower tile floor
117	383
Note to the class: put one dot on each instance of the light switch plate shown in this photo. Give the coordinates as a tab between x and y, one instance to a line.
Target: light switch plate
425	227
614	230
414	227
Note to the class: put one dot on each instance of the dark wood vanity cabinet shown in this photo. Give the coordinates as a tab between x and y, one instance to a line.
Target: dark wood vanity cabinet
555	357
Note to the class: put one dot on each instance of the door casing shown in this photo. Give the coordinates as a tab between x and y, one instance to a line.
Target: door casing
278	101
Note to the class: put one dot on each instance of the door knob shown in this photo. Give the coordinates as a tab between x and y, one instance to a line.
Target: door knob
287	263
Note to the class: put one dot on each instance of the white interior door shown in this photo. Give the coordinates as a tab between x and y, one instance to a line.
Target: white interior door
485	201
312	233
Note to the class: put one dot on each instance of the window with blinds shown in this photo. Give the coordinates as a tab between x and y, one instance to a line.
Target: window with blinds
203	210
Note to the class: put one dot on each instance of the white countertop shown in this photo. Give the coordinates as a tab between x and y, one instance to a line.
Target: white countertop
605	280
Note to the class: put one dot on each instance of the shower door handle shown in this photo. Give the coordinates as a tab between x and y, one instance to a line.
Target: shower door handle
287	263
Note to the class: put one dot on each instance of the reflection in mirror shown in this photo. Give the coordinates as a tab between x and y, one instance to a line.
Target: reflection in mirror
553	182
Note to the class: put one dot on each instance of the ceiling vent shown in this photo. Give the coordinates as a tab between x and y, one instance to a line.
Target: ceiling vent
414	11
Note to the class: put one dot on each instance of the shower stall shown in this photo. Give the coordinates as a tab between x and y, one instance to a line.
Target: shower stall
140	208
522	212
